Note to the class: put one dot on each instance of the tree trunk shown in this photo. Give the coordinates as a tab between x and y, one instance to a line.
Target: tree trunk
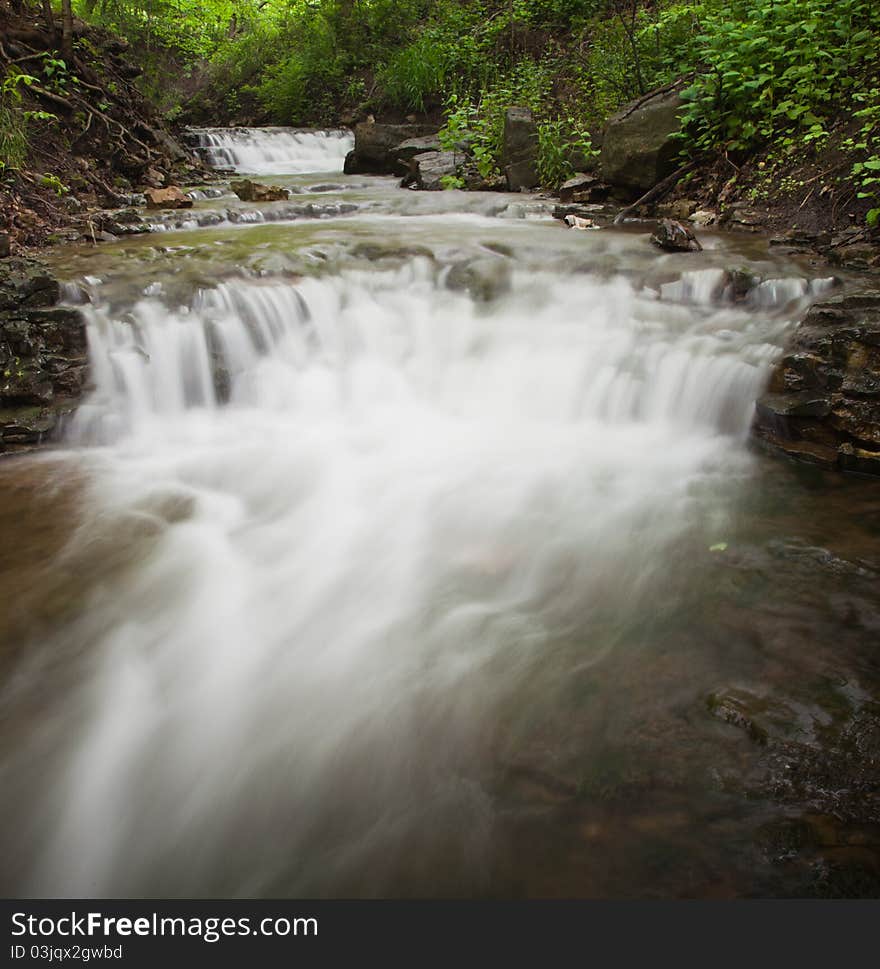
49	17
67	31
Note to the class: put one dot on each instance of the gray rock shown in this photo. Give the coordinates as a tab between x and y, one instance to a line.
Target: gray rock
375	145
674	237
583	188
416	146
428	169
639	148
519	151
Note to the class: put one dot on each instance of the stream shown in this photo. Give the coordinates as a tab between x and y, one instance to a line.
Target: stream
412	544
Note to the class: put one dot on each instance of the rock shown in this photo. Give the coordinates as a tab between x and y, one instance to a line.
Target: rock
375	145
249	191
860	255
858	460
639	148
429	169
583	189
519	149
43	355
154	178
483	279
823	403
674	237
169	145
576	222
408	149
581	211
4	245
703	217
167	198
680	209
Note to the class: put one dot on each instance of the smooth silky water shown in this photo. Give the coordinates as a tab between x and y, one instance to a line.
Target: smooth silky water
397	549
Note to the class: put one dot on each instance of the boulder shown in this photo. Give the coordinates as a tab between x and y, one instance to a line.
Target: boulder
375	145
408	149
639	147
167	198
519	149
249	191
674	237
427	170
823	403
583	188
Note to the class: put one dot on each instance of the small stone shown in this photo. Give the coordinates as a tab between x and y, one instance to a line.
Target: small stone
575	222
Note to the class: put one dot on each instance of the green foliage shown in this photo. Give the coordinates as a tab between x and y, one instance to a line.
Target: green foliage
778	68
13	121
55	183
562	143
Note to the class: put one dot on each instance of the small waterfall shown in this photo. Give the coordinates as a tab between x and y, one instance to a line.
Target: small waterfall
254	343
267	151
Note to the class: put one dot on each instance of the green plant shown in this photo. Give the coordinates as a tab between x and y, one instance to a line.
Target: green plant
13	121
55	183
561	144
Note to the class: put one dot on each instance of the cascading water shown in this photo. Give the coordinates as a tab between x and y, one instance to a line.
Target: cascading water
267	151
353	543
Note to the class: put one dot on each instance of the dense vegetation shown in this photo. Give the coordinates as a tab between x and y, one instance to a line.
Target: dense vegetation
786	77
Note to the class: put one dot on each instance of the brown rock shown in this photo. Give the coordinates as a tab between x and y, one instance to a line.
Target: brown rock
249	191
167	198
672	236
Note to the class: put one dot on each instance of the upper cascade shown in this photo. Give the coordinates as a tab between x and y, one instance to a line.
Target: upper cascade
273	151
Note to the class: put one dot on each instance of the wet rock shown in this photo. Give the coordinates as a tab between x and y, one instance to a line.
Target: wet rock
375	147
739	709
576	222
249	191
639	148
672	236
167	198
823	403
519	149
43	356
860	255
483	279
428	170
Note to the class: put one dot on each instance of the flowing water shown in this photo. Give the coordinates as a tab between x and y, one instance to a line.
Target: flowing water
397	550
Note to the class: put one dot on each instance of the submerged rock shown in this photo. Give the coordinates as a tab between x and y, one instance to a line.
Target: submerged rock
823	403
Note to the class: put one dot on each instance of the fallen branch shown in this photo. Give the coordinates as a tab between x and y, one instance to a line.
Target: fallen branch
661	188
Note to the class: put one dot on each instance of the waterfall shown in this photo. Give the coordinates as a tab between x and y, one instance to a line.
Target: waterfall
268	151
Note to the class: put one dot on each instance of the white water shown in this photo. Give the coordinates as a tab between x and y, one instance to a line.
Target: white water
272	151
362	513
